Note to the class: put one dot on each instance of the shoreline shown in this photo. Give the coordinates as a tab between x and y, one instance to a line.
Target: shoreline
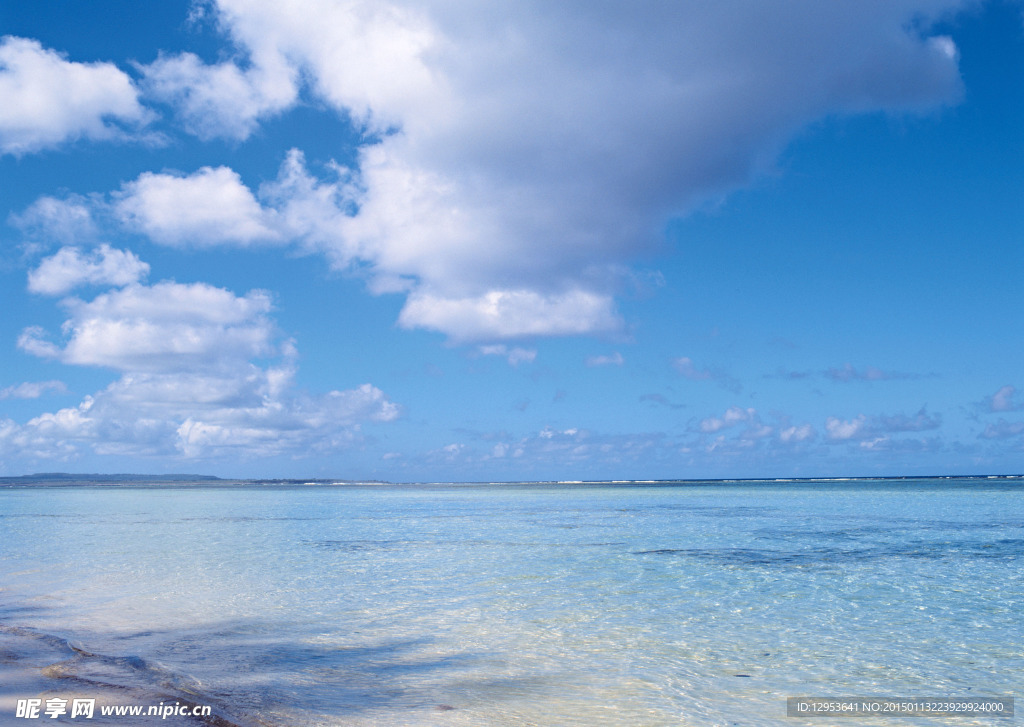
203	481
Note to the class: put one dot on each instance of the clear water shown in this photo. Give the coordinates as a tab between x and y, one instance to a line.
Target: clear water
521	605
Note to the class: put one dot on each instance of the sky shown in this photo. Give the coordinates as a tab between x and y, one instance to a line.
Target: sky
439	240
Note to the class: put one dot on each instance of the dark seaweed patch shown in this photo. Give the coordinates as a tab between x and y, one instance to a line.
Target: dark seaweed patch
1002	549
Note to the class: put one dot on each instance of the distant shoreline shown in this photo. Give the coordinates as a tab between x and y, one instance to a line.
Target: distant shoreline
61	479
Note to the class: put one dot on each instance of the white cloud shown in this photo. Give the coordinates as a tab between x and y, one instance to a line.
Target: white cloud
250	413
571	452
515	355
849	373
70	268
511	314
48	100
1005	399
733	415
874	428
919	422
1002	430
685	366
209	207
365	58
902	445
220	100
32	389
613	359
796	434
282	424
188	384
67	221
167	326
314	213
839	429
518	158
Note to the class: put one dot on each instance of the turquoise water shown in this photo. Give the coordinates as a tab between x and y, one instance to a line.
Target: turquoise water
521	605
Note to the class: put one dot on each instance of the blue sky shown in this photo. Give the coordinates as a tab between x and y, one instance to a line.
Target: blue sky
419	240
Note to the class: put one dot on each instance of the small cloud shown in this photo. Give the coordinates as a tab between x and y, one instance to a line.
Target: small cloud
66	221
49	100
839	429
662	400
221	210
757	431
219	100
615	359
515	355
849	373
167	326
920	422
70	268
688	370
549	433
787	375
502	313
1002	430
796	434
32	389
1005	399
684	365
911	444
733	415
864	428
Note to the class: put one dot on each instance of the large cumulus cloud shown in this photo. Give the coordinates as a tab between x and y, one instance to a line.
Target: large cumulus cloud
520	156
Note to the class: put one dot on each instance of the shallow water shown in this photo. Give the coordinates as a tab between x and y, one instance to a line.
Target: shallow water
517	605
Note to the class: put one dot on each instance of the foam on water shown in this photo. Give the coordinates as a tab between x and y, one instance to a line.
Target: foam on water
456	605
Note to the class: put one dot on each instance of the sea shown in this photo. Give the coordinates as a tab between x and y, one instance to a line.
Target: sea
663	603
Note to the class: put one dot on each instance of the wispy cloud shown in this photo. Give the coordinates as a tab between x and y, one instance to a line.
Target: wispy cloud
734	415
1002	430
686	368
862	427
662	400
66	221
612	359
845	374
1005	399
848	373
515	355
32	389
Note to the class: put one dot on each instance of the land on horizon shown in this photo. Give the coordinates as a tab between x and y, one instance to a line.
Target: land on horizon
66	479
